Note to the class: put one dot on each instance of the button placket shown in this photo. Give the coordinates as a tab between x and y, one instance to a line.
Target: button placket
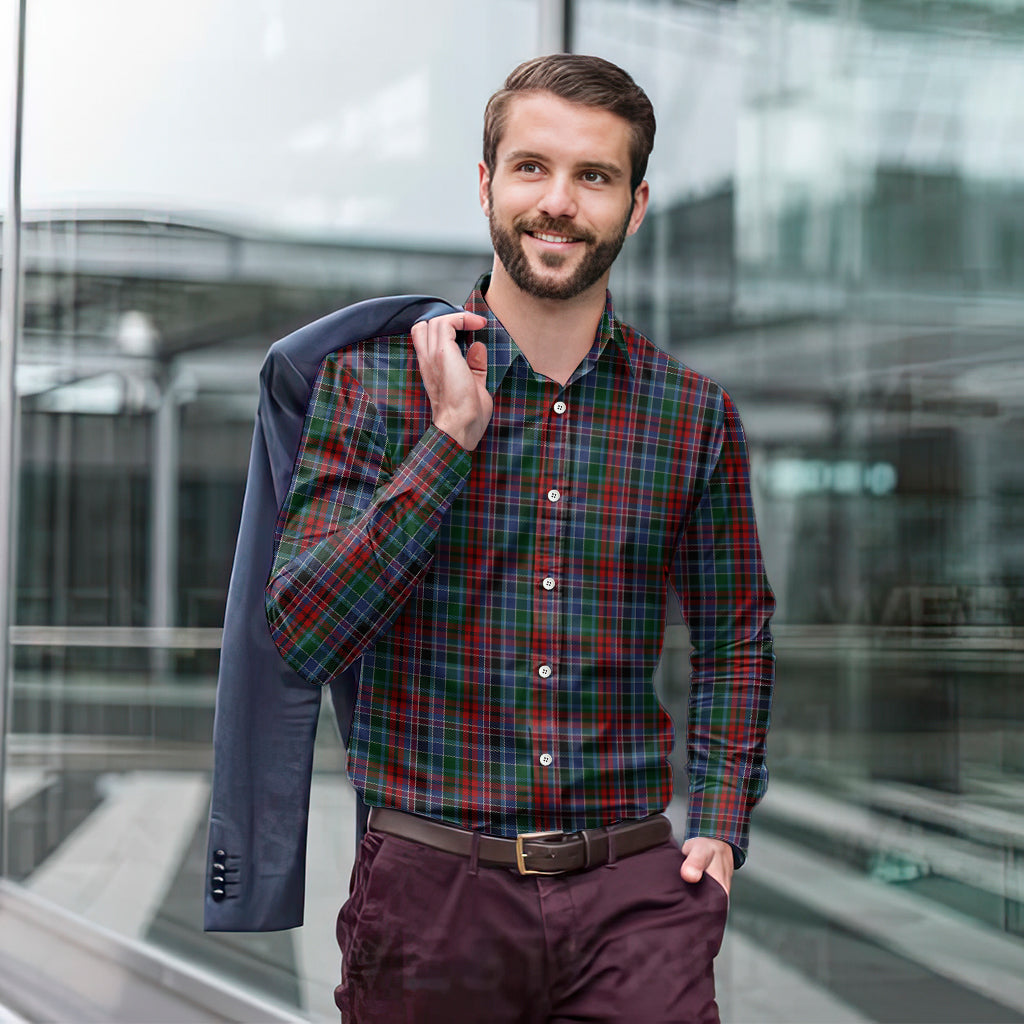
546	641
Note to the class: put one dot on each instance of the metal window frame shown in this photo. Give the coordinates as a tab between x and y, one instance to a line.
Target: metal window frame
10	325
555	19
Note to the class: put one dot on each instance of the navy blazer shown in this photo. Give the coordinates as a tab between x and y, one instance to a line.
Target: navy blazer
266	714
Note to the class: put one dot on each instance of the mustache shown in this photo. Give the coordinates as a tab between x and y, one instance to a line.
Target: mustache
552	226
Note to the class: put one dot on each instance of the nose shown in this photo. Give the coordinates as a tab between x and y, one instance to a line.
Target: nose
559	198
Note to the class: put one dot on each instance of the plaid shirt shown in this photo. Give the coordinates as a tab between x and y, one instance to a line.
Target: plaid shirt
509	604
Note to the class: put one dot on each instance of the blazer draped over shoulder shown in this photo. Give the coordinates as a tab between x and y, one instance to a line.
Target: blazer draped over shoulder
266	715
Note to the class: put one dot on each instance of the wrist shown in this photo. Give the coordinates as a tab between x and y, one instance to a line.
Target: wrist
459	433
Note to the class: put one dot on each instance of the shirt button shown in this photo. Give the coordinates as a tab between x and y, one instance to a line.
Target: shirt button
554	495
544	671
545	759
548	583
559	408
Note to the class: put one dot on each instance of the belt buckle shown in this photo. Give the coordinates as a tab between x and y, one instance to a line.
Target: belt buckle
521	855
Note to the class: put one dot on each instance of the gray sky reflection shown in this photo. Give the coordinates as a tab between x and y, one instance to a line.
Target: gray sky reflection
338	118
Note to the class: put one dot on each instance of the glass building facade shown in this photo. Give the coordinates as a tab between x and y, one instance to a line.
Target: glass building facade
836	234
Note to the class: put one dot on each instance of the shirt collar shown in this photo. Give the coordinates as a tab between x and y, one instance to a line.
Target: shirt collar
502	351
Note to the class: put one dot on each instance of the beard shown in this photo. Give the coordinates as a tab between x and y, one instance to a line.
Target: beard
599	255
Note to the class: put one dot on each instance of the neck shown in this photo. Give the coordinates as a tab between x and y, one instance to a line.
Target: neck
555	335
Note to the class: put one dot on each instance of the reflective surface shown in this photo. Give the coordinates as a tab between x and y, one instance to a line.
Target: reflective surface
854	279
836	235
8	22
199	180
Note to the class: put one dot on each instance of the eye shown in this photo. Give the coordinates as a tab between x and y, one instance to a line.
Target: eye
529	167
594	177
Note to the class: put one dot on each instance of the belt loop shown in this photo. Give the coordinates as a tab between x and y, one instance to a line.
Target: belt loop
585	833
474	853
611	847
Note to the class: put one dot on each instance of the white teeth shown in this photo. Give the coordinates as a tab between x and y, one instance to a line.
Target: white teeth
551	238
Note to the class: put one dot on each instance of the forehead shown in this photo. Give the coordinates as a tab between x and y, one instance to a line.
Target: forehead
545	124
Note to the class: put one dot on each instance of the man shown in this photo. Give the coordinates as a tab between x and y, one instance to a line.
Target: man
490	513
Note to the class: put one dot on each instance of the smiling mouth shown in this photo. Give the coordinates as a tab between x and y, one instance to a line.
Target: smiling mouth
545	237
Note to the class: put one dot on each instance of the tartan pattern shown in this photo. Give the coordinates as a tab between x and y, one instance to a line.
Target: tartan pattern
397	546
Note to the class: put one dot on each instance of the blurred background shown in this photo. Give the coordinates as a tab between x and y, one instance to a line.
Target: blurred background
836	235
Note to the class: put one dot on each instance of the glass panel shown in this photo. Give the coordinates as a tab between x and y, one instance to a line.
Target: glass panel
836	235
201	178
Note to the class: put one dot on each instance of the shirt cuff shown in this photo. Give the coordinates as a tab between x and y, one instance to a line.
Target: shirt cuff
721	814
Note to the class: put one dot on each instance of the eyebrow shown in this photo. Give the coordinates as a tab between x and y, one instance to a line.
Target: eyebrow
613	171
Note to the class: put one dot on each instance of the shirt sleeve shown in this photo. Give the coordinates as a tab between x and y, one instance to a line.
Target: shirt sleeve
727	602
355	534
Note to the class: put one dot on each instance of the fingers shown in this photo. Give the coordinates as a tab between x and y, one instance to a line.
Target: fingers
447	325
430	337
473	322
455	384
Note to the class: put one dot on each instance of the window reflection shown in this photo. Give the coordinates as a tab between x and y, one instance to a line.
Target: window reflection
199	180
854	282
836	235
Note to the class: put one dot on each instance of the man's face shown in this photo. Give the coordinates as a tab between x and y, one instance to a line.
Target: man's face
559	203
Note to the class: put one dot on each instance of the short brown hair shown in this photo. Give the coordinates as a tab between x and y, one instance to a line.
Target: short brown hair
577	78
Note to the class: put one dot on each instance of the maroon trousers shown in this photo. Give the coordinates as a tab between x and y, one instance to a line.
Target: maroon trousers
432	938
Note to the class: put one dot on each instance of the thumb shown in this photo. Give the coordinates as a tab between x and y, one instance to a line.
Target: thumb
477	357
695	862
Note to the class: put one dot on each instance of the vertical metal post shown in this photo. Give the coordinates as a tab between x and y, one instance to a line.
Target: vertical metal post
10	318
164	512
163	548
554	24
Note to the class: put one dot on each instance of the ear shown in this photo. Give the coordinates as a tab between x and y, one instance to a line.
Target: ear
640	199
485	183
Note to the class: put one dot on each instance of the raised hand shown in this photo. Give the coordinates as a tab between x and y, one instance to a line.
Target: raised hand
456	385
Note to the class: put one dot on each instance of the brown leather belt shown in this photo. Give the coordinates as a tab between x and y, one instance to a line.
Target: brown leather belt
532	853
